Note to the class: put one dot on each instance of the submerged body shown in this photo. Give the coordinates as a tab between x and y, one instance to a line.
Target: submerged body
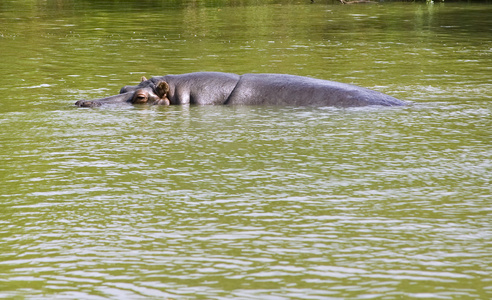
215	88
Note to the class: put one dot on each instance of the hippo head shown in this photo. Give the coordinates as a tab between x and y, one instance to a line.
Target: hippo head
153	92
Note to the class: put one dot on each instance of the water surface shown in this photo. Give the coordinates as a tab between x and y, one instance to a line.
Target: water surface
245	202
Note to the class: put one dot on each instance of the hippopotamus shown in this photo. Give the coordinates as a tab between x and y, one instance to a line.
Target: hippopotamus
216	88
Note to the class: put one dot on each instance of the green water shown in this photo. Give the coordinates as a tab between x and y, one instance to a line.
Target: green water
245	202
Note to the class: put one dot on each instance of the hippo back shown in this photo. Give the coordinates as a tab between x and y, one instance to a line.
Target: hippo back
282	89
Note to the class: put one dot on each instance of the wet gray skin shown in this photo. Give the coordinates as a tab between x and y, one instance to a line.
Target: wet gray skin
215	88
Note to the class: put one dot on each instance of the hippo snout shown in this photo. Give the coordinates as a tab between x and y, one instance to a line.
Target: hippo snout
87	103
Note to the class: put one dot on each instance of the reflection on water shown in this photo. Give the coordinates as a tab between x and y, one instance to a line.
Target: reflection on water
95	48
247	202
244	202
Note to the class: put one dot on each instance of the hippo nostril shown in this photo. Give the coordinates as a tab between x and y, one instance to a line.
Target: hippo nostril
83	103
87	103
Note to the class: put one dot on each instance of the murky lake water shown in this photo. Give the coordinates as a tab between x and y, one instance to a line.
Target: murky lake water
245	202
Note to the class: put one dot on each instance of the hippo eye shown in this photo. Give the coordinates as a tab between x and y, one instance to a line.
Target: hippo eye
139	98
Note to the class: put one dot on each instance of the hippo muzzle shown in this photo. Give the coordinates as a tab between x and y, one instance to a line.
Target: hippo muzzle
153	94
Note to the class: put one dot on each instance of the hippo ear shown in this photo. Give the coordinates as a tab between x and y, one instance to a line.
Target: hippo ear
161	89
143	79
